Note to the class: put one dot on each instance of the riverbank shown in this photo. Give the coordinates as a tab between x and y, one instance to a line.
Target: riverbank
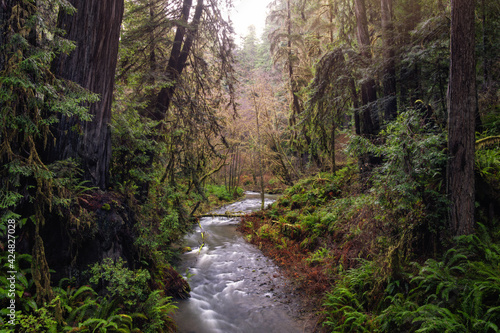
303	293
364	258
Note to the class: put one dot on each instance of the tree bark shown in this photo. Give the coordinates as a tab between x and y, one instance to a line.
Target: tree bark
368	121
369	118
96	30
409	73
259	150
152	54
296	109
355	105
389	80
461	118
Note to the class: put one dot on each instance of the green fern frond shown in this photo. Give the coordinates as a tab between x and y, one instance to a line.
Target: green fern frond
82	290
437	319
94	323
139	315
79	313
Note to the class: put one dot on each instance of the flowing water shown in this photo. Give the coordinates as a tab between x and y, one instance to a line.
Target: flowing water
235	288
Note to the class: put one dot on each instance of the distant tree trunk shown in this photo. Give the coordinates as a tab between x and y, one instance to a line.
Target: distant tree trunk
261	161
293	85
369	118
409	74
484	42
183	42
95	28
389	81
355	105
461	117
152	54
332	154
259	147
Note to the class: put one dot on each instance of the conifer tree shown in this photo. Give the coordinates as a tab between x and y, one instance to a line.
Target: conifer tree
461	117
95	28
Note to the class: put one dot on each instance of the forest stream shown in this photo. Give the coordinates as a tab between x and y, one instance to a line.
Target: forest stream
235	288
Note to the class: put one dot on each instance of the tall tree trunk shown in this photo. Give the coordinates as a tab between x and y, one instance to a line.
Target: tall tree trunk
368	120
409	74
296	110
369	117
152	54
486	59
332	156
331	15
95	28
355	105
461	118
183	42
259	147
389	81
261	161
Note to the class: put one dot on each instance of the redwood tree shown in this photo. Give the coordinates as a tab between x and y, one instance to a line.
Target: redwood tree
95	28
369	119
461	117
390	101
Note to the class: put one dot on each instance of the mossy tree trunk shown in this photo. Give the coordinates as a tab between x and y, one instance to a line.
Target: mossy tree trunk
183	42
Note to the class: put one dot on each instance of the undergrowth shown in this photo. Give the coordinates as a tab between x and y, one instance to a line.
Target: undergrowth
120	300
373	253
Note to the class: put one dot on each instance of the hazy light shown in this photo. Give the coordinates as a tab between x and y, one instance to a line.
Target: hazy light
247	13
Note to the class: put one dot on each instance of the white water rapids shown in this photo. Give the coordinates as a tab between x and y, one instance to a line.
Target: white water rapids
235	288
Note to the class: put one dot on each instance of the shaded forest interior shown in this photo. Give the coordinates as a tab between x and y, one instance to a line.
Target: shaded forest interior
123	121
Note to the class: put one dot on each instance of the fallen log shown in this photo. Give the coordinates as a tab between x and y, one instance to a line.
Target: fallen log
220	215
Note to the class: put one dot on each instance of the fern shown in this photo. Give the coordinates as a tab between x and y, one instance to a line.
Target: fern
436	319
460	293
399	315
349	304
439	279
77	314
158	310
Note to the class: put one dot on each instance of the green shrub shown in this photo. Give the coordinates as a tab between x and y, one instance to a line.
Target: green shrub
221	192
121	282
42	320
